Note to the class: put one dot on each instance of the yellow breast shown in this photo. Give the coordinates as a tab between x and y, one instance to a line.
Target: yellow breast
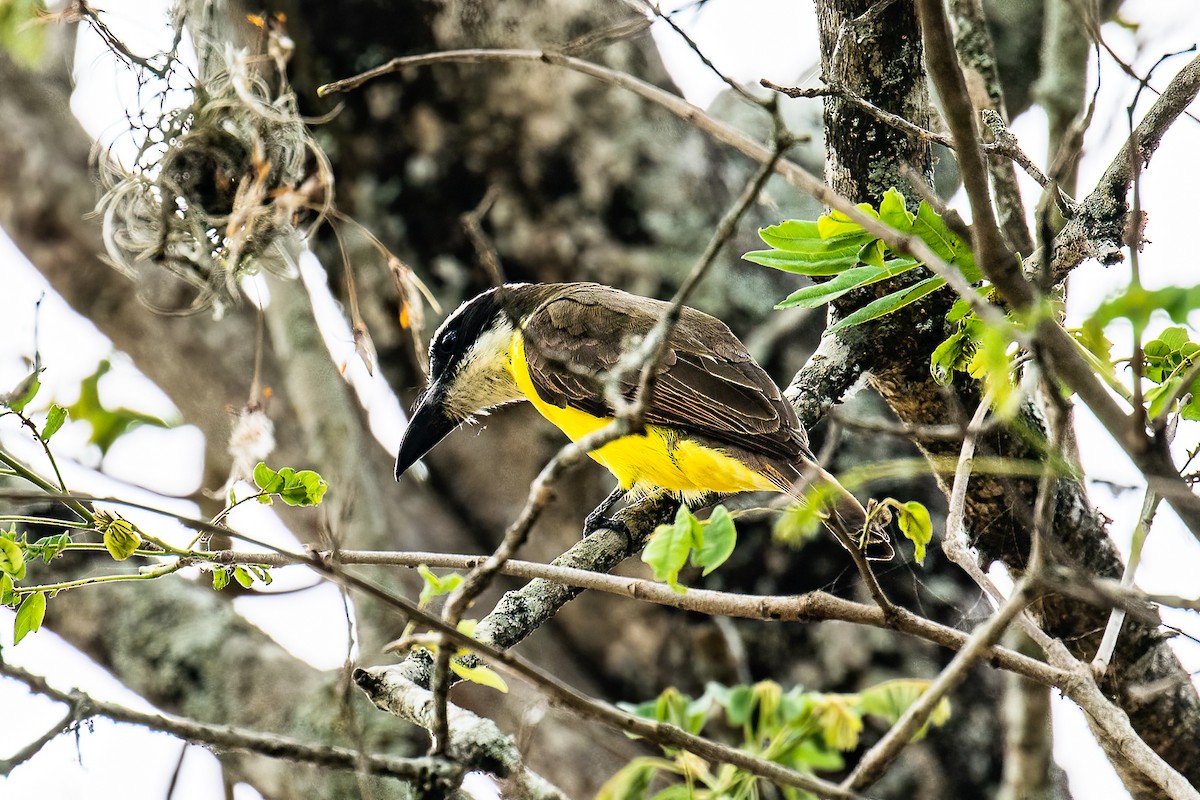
659	458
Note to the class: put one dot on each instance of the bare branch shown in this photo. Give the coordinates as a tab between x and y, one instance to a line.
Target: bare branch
990	250
1098	231
424	770
885	751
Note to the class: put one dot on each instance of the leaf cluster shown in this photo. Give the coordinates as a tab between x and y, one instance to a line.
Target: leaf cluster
838	248
802	730
707	544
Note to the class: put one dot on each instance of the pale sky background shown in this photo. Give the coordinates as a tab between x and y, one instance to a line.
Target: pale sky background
748	41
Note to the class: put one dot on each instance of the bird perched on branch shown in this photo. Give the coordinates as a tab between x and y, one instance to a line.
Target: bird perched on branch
714	421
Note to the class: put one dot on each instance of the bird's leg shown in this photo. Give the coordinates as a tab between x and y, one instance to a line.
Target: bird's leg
599	517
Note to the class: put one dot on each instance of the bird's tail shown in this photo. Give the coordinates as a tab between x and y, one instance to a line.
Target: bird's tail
849	521
845	516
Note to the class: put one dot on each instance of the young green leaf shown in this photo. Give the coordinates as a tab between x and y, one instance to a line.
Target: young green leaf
839	721
262	573
480	674
950	356
107	425
12	558
916	526
434	585
7	596
872	253
890	303
242	576
739	705
801	522
820	293
893	211
55	418
632	782
23	393
816	266
120	536
267	480
51	546
890	699
932	230
795	235
220	578
30	614
720	536
835	223
669	545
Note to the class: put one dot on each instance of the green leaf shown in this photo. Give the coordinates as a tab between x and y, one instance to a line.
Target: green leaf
55	418
29	616
856	277
435	586
820	293
107	424
261	572
916	526
801	522
890	303
51	546
120	536
797	235
7	597
890	699
720	536
220	578
835	223
24	392
23	32
959	311
893	211
949	356
871	253
632	781
12	558
242	576
669	545
484	676
303	488
991	364
740	705
267	479
839	721
804	264
932	230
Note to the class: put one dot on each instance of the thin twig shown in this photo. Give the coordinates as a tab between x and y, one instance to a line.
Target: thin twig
7	765
987	243
229	737
1116	619
472	222
886	117
954	540
654	9
885	751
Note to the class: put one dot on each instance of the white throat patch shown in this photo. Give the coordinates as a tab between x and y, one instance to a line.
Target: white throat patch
482	380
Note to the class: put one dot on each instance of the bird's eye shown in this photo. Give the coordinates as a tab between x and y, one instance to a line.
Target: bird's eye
448	339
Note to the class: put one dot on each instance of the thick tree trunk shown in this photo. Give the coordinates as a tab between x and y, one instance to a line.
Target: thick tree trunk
998	515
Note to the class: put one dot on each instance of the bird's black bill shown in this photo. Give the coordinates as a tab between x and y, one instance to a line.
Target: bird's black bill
427	425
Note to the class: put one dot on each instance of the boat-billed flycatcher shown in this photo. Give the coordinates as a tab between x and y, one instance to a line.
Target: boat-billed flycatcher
716	422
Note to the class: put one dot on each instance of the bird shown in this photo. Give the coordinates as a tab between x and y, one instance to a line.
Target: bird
715	424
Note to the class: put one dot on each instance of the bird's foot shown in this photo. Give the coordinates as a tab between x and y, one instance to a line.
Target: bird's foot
600	520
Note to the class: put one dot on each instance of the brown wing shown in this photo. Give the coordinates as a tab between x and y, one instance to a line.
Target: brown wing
707	384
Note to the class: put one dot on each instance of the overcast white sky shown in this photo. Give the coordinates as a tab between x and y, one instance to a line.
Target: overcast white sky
747	41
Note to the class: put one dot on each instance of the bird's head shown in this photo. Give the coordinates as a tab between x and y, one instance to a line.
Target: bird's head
468	374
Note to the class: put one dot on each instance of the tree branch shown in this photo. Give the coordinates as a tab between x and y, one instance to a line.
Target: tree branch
424	771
